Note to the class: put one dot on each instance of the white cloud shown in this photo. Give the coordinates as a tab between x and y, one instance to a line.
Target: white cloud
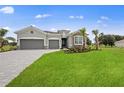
7	28
102	21
79	17
104	17
33	25
7	10
99	21
67	29
53	29
71	17
105	25
40	16
76	17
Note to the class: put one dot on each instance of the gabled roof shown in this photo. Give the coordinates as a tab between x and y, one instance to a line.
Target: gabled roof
72	33
63	30
75	32
30	27
51	32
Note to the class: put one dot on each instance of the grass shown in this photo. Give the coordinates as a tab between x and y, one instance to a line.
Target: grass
91	69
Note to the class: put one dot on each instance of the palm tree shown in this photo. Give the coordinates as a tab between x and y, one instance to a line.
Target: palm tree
96	33
84	34
11	41
101	37
2	34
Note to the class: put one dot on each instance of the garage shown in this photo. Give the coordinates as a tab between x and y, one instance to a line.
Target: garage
31	44
53	44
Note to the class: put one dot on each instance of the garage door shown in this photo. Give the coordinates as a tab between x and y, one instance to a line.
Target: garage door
31	44
53	44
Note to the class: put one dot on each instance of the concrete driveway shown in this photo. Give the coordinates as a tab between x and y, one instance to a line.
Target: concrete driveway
14	62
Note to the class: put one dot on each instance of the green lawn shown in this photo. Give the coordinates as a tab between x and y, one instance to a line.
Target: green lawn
96	68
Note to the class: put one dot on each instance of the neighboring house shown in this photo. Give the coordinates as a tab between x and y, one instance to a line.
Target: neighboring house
32	37
119	43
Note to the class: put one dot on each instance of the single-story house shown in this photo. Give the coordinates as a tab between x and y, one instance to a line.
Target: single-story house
119	43
32	37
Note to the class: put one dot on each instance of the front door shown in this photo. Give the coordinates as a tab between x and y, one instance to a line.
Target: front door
64	42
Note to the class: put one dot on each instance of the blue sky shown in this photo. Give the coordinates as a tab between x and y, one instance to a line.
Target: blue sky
108	19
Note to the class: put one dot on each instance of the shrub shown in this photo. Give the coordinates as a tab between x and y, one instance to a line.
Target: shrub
13	43
7	48
77	50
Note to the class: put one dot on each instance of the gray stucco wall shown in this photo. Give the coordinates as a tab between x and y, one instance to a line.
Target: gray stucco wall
70	41
26	34
53	37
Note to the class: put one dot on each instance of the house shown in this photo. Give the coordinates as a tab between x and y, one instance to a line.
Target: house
119	43
32	37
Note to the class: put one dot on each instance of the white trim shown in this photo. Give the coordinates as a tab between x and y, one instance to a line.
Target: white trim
78	36
53	38
31	38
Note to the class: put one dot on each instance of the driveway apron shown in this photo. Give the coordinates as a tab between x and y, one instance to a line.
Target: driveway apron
14	62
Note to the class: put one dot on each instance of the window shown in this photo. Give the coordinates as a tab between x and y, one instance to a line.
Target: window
78	40
31	32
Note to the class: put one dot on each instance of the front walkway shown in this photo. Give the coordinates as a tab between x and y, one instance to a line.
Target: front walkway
13	62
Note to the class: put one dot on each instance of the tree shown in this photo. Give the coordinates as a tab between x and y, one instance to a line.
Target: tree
96	33
118	37
111	40
13	41
107	40
101	37
11	38
84	34
2	34
89	42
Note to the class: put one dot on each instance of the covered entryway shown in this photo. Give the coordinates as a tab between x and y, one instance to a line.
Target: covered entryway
31	44
64	42
54	44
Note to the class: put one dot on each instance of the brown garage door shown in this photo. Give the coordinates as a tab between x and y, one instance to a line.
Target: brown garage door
53	44
31	44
